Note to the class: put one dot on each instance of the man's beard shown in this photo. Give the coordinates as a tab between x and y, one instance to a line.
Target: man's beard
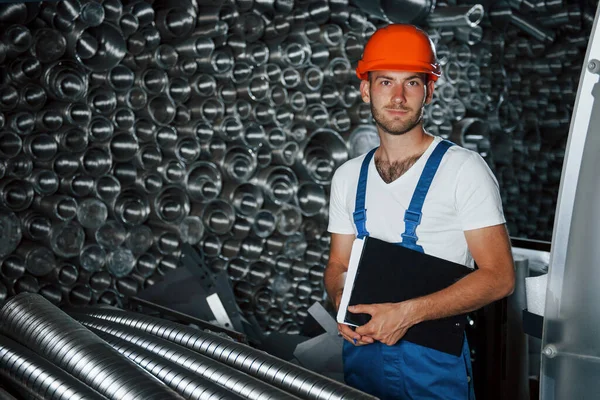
396	127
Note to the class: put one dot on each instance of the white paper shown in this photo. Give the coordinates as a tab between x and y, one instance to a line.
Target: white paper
214	302
357	248
535	290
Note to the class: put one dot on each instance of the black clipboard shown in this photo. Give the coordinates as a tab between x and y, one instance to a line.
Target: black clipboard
382	272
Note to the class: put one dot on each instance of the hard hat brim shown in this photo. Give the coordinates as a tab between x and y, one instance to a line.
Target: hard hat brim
363	69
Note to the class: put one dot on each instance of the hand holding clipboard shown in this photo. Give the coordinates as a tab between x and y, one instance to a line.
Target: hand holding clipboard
381	272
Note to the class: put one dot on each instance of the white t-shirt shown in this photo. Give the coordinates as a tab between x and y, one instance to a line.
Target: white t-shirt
463	196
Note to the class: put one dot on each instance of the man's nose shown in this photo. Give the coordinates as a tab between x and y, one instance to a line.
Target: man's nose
398	95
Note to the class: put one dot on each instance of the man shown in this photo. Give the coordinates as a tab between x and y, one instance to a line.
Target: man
461	220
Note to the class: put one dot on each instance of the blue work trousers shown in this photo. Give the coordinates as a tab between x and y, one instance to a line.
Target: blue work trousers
407	371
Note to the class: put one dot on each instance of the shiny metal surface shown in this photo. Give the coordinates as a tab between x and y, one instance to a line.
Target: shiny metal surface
189	385
321	154
217	378
42	327
456	16
35	377
269	369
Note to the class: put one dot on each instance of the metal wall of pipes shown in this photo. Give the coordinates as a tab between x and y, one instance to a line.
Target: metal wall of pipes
131	127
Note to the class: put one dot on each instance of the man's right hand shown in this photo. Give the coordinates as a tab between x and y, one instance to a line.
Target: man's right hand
350	335
346	331
334	278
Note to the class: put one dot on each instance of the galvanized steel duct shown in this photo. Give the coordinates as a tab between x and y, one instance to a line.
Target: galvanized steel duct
456	16
160	356
286	376
187	384
48	331
34	377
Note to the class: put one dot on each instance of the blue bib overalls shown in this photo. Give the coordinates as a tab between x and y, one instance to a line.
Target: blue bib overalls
406	371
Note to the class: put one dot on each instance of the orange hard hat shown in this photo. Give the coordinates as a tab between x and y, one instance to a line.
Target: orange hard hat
399	47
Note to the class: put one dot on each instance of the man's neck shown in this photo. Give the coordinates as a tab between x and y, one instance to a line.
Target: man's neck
397	153
399	148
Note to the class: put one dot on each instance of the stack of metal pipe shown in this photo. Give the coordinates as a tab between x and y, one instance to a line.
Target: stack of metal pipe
540	55
108	353
128	128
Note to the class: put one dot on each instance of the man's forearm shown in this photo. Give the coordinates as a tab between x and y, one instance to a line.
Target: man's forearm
334	278
474	291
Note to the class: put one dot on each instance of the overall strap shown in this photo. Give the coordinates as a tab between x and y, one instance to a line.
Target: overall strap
412	216
360	213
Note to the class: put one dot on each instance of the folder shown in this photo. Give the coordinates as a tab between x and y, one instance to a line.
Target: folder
382	272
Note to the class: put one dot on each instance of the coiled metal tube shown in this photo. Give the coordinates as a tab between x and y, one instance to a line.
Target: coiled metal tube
279	183
289	219
113	9
10	144
92	257
211	246
502	13
48	120
455	16
9	98
142	11
77	114
48	45
321	154
13	267
469	35
22	122
16	195
132	208
65	275
179	379
472	133
176	22
19	167
218	216
251	249
233	384
17	38
57	337
311	198
239	163
203	181
66	81
36	378
71	140
246	198
219	62
264	224
24	70
284	375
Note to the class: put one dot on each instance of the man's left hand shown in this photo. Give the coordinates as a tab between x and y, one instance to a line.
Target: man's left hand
389	321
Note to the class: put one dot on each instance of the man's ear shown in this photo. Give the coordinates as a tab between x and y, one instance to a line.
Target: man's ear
430	87
364	91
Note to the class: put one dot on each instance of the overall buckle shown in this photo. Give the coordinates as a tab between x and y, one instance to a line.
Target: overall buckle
360	215
409	238
412	216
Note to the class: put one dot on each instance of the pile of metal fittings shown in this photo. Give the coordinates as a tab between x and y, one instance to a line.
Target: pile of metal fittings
128	128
